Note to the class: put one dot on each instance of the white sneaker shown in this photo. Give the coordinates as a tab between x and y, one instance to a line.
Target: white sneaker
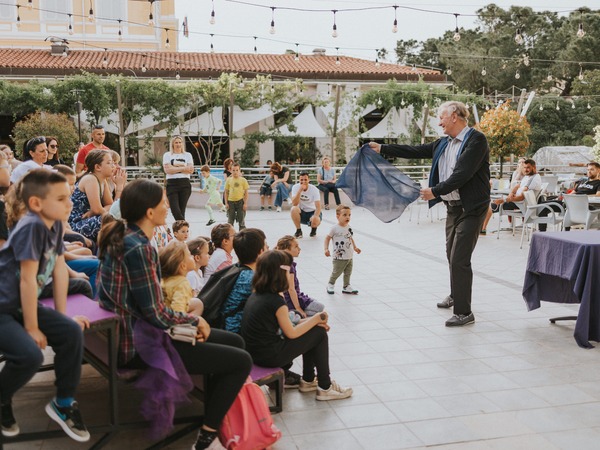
278	209
306	386
289	200
349	290
335	392
330	288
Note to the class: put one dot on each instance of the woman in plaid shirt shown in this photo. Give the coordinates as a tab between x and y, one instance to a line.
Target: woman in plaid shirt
129	285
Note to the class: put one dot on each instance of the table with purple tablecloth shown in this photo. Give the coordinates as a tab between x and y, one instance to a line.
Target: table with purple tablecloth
564	267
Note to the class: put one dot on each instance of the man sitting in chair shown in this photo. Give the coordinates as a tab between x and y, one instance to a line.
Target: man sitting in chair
586	186
531	181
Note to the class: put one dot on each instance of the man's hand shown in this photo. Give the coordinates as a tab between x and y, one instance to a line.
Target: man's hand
375	146
38	337
427	194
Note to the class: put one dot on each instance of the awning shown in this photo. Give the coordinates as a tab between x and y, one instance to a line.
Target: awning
207	124
306	125
245	118
391	126
346	112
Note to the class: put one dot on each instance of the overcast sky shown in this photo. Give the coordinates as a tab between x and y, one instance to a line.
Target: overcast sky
359	33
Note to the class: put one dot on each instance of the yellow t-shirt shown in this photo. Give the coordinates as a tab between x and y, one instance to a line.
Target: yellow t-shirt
177	292
236	188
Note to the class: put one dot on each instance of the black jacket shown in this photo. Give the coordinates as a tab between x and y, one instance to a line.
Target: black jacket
471	175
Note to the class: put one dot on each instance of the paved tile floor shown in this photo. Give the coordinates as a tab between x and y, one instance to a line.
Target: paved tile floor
509	381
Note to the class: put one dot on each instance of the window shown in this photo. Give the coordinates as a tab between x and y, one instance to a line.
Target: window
55	10
111	9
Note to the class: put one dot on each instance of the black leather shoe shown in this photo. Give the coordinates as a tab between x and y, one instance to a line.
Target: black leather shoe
448	302
458	320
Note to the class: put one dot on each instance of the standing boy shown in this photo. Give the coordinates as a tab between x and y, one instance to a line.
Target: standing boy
34	252
236	196
343	250
212	186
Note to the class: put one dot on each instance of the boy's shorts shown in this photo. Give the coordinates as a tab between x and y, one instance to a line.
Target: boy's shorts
306	215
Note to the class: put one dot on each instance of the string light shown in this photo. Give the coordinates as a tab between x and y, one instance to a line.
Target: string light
483	72
212	47
255	48
549	77
395	27
105	59
526	61
334	33
456	36
580	72
377	64
557	107
18	17
573	105
519	37
297	55
177	75
144	64
167	41
402	102
517	75
272	29
30	4
449	70
541	107
212	14
580	30
150	15
91	12
337	56
589	106
70	25
120	32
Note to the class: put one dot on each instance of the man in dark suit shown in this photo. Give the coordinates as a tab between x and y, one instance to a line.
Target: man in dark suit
460	177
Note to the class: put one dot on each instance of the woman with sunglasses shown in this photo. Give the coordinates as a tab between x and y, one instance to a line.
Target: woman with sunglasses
35	155
53	158
273	340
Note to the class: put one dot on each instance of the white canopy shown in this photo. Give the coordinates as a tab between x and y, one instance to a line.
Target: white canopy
568	157
149	121
391	126
245	118
207	124
306	125
346	112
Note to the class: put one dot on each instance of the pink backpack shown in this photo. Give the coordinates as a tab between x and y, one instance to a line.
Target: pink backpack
248	424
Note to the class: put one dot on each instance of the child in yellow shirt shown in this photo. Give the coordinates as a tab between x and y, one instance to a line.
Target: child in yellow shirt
236	196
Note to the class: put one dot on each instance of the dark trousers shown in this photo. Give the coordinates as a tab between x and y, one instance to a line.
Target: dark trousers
326	189
178	193
76	286
224	361
24	357
235	211
462	231
314	348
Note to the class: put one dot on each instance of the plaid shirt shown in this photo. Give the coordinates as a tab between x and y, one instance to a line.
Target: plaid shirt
129	285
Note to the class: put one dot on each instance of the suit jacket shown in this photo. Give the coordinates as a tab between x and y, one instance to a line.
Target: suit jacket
471	175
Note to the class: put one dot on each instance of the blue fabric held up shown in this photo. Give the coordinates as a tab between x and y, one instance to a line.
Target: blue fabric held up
370	181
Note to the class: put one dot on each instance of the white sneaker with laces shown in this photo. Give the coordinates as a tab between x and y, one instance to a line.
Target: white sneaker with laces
349	290
278	209
330	288
306	386
335	392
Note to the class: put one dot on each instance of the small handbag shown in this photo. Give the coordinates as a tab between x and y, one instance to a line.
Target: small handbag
184	333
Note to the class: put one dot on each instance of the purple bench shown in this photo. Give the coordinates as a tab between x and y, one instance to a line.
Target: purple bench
270	376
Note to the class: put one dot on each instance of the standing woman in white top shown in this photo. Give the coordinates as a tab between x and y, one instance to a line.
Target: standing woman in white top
178	165
326	182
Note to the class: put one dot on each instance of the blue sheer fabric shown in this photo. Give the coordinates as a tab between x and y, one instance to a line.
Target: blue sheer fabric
370	181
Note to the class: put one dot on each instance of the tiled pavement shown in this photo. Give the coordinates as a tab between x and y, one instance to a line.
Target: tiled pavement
509	381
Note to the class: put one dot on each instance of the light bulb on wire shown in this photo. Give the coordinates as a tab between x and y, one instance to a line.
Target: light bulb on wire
150	15
297	55
177	76
589	106
120	32
272	29
105	59
517	75
557	106
456	36
212	14
337	56
395	27
483	72
449	71
541	107
580	30
334	34
580	76
18	17
30	4
70	28
549	77
519	37
91	13
573	105
526	61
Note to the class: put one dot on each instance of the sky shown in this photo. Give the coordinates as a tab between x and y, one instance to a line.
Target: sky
360	33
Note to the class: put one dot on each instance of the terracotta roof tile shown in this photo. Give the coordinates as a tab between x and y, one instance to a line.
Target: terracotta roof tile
200	65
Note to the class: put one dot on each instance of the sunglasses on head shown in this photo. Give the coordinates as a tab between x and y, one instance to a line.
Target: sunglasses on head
34	142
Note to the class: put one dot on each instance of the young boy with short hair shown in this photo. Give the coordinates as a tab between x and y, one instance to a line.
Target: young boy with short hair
181	230
34	252
236	196
212	186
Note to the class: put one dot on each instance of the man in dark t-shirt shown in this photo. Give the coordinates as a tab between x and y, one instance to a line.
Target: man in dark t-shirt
587	186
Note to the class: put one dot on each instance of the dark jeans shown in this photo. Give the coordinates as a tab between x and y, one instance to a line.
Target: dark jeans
462	231
314	348
178	193
24	357
235	211
76	286
224	361
326	189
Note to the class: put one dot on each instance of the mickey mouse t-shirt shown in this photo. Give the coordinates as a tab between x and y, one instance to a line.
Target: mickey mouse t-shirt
341	240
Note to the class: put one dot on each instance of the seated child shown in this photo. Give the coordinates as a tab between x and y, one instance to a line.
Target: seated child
175	262
201	248
181	230
248	244
294	297
222	237
34	252
266	190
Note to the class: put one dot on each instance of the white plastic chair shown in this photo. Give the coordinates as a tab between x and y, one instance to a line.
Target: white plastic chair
552	183
533	218
578	212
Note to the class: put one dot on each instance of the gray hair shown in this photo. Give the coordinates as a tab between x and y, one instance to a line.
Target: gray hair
455	107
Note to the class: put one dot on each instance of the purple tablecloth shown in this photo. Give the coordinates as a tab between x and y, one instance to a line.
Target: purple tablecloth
564	267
